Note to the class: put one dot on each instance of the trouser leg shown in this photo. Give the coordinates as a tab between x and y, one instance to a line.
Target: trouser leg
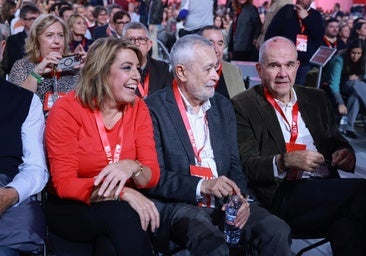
329	207
268	234
5	251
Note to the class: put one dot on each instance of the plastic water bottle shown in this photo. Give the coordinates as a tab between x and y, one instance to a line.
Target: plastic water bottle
232	233
343	124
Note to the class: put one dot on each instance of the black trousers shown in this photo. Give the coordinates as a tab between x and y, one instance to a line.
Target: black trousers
200	230
113	227
333	207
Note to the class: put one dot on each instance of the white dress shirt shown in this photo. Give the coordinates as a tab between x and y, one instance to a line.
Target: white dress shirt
304	136
201	134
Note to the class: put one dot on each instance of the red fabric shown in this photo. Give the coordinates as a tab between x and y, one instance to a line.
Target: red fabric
76	153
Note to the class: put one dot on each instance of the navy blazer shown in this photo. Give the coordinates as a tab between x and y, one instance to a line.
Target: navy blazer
260	137
101	32
175	152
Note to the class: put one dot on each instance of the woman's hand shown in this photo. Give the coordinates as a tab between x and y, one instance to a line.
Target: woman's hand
145	208
48	63
114	176
80	51
342	109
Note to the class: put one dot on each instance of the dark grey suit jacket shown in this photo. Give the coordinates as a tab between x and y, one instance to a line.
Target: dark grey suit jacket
175	151
260	137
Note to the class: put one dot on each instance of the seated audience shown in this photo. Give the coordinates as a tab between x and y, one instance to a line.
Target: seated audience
65	13
343	36
45	46
290	150
100	18
345	81
101	153
195	138
155	73
120	19
330	38
231	81
358	31
23	170
109	28
77	28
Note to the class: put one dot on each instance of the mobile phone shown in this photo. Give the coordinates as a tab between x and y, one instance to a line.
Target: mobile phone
68	62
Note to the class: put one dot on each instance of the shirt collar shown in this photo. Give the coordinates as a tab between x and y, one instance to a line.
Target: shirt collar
292	101
204	107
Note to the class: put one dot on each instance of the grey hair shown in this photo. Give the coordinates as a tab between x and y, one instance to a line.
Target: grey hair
135	25
184	49
268	43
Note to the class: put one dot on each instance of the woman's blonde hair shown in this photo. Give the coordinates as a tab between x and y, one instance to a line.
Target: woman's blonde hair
92	86
71	21
32	45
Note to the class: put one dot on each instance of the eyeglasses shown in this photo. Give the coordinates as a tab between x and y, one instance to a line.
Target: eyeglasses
30	18
121	22
140	40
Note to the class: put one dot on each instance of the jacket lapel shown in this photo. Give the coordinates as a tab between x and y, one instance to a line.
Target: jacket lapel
173	112
269	119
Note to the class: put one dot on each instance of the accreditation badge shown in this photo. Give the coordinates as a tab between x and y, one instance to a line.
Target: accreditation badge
50	99
301	42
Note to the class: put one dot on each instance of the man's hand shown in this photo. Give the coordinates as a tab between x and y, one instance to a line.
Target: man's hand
343	159
219	187
301	12
8	197
342	109
243	213
306	160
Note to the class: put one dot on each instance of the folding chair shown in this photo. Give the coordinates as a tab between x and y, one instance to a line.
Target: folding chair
307	248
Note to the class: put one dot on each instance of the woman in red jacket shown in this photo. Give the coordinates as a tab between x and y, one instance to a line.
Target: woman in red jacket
102	152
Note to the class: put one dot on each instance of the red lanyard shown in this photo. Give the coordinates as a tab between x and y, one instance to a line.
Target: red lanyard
183	113
219	72
329	44
295	113
144	91
302	26
105	141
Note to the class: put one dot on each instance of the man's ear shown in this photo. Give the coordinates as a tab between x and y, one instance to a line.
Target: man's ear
149	44
2	45
181	72
259	68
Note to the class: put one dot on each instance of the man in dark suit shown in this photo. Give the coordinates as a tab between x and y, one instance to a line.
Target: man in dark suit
197	150
155	73
15	43
290	150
